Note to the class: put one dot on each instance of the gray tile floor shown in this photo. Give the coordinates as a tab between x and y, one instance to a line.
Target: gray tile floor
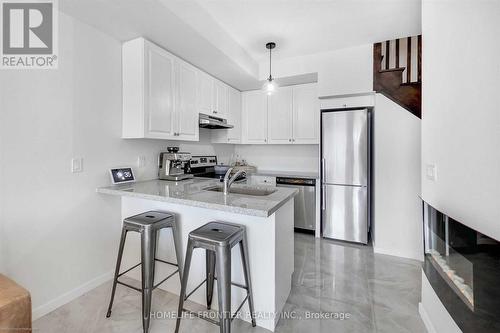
359	290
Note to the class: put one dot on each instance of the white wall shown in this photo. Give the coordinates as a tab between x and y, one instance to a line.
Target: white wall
461	118
59	237
341	72
280	157
397	206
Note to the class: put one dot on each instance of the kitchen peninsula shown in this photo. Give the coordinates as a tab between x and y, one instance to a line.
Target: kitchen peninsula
266	212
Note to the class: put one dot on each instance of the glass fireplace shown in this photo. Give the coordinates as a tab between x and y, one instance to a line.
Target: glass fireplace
463	267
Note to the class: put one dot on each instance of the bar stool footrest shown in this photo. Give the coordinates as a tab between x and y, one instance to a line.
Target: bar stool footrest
209	319
155	286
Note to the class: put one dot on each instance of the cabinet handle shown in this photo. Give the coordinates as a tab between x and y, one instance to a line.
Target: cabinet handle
215	111
344	105
293	140
289	140
265	140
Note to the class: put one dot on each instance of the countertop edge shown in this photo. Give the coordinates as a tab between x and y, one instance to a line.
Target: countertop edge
199	204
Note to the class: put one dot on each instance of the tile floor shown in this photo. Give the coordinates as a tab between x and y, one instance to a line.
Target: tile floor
373	293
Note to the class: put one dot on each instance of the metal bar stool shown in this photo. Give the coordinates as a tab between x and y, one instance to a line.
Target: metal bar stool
148	225
218	238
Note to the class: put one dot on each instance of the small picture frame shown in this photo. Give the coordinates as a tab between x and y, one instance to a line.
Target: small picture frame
121	175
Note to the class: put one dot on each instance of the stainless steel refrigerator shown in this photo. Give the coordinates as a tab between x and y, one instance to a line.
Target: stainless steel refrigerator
345	174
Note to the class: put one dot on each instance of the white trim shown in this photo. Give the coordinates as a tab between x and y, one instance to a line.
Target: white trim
425	318
67	297
395	253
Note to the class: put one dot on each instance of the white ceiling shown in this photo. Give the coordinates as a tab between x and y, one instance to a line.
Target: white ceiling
227	38
301	27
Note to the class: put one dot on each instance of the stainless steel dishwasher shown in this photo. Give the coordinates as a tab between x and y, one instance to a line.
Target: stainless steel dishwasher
305	201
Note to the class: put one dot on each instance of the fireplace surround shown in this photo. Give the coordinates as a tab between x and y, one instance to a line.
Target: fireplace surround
463	268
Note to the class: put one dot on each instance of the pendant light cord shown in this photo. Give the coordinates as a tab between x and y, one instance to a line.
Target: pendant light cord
270	76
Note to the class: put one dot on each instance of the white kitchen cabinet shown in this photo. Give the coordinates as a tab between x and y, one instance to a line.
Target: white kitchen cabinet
292	116
187	112
306	113
279	115
220	99
348	102
254	117
232	135
159	92
205	93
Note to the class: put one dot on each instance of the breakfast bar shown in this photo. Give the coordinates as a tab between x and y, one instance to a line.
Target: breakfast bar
266	212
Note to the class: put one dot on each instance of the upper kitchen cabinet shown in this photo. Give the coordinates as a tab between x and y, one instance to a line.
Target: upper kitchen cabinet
186	102
159	94
254	117
213	96
232	135
279	115
220	99
305	114
205	93
292	116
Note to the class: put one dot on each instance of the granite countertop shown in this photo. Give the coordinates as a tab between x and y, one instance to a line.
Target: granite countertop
192	192
297	174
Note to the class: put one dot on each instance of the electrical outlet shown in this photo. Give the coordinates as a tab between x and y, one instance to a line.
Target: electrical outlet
431	172
141	161
77	164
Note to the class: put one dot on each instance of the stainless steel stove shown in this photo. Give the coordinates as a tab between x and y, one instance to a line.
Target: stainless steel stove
204	166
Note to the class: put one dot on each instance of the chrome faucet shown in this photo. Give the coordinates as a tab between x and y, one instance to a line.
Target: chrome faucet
228	180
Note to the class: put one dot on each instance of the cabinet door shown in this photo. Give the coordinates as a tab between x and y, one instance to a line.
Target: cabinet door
348	102
220	99
160	88
234	116
205	93
186	113
254	120
279	117
305	114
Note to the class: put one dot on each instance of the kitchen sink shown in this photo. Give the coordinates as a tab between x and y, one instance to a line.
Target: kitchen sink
257	192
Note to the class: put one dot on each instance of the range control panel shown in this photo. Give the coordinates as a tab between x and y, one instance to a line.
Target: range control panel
203	161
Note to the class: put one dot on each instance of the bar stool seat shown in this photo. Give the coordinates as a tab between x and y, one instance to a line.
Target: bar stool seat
218	238
148	224
218	234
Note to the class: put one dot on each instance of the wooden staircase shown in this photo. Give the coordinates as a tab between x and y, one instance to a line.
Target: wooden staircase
391	82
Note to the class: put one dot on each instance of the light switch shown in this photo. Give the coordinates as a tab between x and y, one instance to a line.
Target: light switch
431	172
77	164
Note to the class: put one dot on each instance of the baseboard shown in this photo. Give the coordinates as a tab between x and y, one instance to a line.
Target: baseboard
70	295
414	256
425	318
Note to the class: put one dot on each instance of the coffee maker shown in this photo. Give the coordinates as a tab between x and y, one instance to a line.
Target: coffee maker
174	165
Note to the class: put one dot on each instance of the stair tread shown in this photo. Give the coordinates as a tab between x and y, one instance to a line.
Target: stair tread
411	83
392	69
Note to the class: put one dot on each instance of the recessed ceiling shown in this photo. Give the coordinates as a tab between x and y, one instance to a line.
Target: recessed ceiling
301	27
227	38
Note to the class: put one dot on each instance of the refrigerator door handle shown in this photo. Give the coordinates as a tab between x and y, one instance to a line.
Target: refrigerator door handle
323	166
323	197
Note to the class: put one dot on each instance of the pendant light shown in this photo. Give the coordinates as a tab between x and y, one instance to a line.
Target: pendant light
270	86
